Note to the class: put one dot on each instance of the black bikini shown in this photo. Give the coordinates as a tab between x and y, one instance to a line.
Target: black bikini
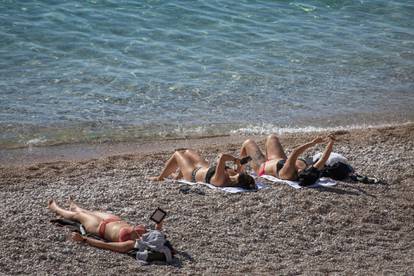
211	171
279	166
193	174
281	163
209	174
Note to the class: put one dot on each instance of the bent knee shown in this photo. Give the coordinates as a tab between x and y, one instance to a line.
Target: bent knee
273	137
248	142
178	152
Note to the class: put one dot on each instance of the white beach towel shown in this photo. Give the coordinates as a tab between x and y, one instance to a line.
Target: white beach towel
232	190
323	181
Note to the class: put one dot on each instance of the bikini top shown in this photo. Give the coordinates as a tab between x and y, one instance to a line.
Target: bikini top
281	163
125	232
210	172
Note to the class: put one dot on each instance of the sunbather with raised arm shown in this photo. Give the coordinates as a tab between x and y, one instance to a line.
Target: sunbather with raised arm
188	164
291	167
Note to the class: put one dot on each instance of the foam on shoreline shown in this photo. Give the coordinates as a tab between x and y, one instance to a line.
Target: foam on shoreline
33	154
268	128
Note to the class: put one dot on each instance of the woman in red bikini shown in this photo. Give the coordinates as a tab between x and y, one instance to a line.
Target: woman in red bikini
120	235
291	167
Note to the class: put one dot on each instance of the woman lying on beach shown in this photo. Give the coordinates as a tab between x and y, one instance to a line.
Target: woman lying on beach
120	235
291	167
192	167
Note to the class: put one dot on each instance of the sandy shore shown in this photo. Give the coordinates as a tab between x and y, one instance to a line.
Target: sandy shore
350	228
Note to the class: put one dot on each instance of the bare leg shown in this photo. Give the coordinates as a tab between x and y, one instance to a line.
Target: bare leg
178	175
74	207
102	215
274	149
195	158
250	148
177	161
89	221
60	211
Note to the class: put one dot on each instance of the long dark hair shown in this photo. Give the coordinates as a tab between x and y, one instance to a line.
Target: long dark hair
246	181
309	176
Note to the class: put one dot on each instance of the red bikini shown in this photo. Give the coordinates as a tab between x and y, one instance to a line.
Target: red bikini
124	232
262	170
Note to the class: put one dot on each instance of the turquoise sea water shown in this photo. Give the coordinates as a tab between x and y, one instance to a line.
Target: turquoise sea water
92	71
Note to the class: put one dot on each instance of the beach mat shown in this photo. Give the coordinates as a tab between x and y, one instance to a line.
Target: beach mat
232	190
322	182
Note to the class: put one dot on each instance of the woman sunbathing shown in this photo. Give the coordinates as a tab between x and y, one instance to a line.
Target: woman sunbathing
192	167
276	162
120	235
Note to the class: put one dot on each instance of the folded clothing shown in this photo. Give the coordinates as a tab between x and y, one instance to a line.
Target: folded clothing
153	246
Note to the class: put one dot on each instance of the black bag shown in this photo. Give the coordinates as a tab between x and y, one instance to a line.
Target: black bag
337	171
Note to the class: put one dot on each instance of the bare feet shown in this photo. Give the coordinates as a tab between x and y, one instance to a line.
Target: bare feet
72	204
51	204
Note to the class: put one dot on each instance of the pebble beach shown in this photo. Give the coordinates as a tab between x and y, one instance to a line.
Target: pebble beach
351	228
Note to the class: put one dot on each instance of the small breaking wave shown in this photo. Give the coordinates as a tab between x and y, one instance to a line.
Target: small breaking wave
269	128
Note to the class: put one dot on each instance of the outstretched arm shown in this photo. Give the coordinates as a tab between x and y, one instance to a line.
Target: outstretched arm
121	247
326	153
290	162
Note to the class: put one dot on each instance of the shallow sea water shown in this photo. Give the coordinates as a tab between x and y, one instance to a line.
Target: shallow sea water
93	71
